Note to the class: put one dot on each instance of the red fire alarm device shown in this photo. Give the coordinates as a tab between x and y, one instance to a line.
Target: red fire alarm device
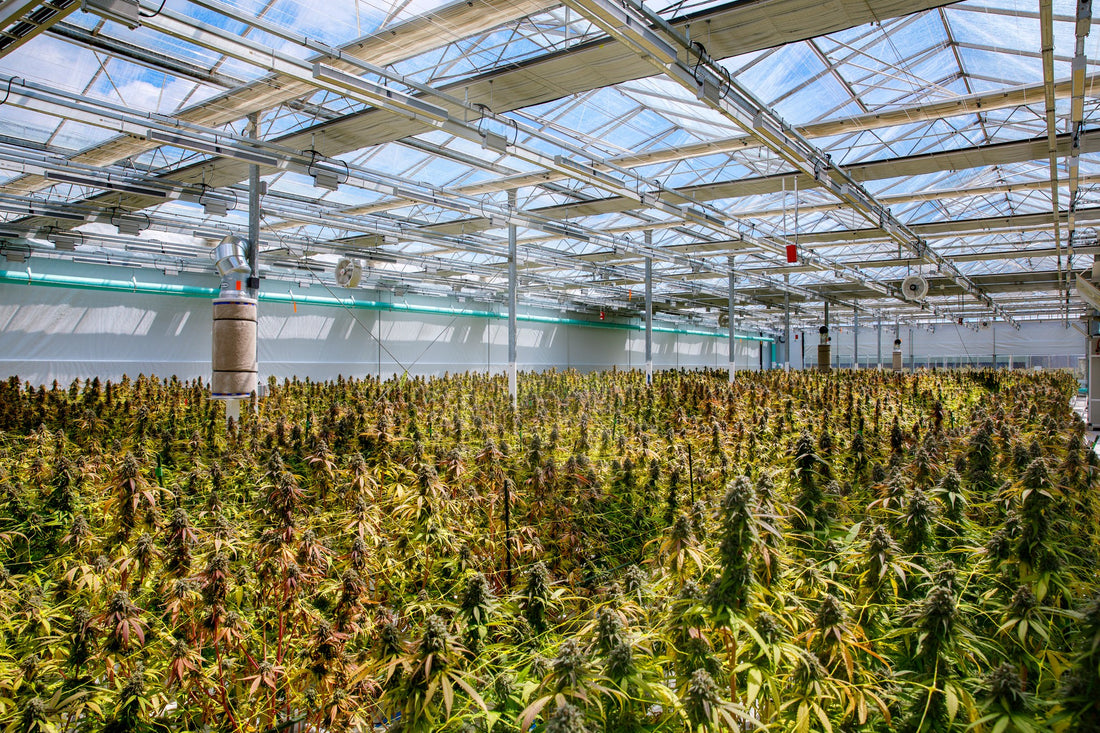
792	253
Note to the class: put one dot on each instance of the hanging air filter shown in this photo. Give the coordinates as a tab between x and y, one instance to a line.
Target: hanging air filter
234	348
234	351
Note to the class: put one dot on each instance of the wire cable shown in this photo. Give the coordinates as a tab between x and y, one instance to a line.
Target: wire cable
404	368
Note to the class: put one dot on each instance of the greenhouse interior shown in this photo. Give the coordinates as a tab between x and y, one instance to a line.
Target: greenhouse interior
508	366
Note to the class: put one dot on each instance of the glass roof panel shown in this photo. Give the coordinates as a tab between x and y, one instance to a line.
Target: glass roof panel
26	124
173	48
814	100
789	67
994	29
975	46
139	88
54	62
1007	69
672	102
78	136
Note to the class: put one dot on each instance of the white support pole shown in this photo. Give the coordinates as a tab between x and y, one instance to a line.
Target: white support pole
880	341
912	356
732	324
648	311
824	348
253	213
513	377
855	339
786	324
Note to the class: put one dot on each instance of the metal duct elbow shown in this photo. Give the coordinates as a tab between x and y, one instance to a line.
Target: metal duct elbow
230	256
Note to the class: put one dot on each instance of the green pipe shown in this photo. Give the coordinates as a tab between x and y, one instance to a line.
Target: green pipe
89	283
194	291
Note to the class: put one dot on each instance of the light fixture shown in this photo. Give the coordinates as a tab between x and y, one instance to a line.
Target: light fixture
494	141
1077	77
30	210
130	225
12	254
378	94
326	178
216	205
127	12
107	184
617	21
65	240
564	230
228	151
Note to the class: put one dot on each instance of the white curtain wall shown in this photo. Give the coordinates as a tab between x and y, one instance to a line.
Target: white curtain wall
61	333
1046	344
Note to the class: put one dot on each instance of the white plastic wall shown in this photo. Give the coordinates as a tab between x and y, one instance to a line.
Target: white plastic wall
49	333
1048	344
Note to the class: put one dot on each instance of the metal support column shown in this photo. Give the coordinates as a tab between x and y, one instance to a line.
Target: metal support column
880	341
732	322
855	338
253	251
895	355
824	350
1092	367
786	324
513	377
648	312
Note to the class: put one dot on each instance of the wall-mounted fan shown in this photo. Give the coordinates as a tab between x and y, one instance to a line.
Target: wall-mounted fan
348	273
914	287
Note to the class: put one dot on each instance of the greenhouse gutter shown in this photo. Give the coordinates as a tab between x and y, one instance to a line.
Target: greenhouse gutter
133	285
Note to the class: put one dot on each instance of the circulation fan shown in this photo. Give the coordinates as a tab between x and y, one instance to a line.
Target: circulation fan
348	273
914	287
723	320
